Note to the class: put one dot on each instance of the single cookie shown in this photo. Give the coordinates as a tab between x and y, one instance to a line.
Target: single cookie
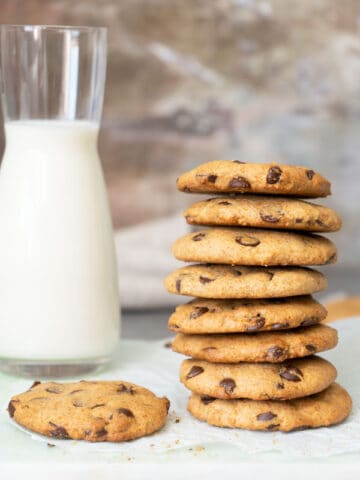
323	409
247	315
225	281
264	212
273	347
258	381
250	246
223	176
99	411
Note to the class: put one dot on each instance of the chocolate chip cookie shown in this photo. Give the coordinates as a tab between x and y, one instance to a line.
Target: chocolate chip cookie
100	411
323	409
245	315
222	176
250	246
263	212
258	381
273	347
225	281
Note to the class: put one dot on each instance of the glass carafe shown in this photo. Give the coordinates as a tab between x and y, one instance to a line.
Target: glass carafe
59	304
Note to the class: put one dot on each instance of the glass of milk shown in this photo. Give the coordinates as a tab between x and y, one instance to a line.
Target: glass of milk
59	303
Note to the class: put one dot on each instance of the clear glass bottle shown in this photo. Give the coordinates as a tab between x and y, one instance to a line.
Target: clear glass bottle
59	304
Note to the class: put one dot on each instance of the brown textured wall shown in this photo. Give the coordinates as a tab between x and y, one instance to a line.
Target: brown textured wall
193	80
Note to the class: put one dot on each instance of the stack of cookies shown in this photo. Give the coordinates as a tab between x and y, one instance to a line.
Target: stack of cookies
254	329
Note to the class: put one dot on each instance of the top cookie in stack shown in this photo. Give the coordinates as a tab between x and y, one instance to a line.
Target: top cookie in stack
255	320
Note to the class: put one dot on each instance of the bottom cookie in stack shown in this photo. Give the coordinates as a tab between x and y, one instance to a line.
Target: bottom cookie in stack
329	407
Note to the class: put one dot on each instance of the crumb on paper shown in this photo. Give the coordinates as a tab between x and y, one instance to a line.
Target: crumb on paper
177	420
50	445
168	344
199	448
177	442
130	459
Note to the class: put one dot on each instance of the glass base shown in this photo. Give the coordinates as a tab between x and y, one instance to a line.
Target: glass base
49	369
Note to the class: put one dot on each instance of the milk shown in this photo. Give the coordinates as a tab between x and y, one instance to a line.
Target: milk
58	286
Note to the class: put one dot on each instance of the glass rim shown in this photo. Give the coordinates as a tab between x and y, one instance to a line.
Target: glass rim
29	27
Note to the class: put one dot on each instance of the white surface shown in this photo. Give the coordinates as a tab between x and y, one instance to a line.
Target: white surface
55	224
152	365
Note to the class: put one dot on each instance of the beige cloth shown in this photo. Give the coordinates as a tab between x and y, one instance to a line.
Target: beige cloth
144	260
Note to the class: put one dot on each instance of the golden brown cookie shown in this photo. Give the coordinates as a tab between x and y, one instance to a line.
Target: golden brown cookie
323	409
250	246
223	176
225	281
295	378
245	315
263	212
273	347
100	411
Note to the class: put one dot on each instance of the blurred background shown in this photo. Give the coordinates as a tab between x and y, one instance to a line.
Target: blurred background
194	80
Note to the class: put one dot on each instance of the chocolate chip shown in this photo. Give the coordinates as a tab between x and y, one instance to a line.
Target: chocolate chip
198	237
273	426
239	182
310	174
198	311
97	406
298	429
224	202
238	273
194	371
206	399
292	374
309	321
76	391
212	178
259	323
228	385
298	220
320	222
58	432
124	389
280	386
35	384
78	403
178	285
205	280
279	326
54	389
273	175
269	218
11	408
247	241
238	161
168	344
101	433
310	348
270	274
265	417
275	352
167	404
126	411
187	190
332	259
